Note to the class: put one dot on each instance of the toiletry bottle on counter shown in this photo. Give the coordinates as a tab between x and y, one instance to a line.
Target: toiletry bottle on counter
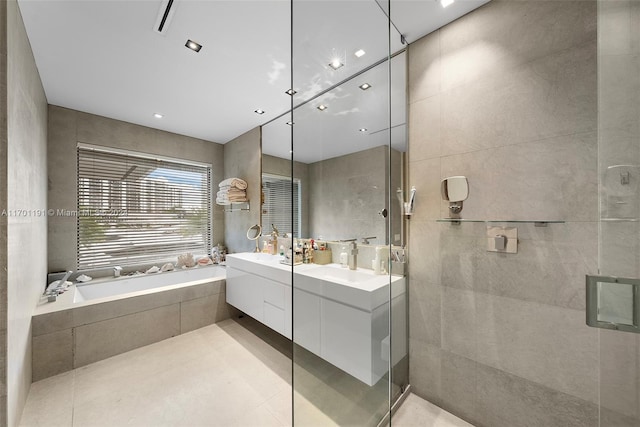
344	257
298	254
381	260
281	250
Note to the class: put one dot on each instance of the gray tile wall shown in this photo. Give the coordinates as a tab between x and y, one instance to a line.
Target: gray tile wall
26	159
346	194
242	160
507	96
619	133
68	339
68	127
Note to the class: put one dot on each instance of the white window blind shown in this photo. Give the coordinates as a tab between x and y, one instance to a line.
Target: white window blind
279	207
136	210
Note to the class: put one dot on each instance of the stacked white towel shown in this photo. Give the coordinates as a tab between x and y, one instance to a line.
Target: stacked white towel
231	190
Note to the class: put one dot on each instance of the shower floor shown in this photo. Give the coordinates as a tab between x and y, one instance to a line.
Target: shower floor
220	375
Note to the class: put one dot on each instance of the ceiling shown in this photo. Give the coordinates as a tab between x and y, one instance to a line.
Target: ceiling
103	56
336	130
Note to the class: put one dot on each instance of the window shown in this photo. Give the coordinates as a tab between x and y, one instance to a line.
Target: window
277	208
134	209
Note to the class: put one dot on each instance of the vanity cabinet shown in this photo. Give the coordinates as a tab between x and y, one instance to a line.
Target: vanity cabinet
263	298
243	292
306	312
340	315
353	339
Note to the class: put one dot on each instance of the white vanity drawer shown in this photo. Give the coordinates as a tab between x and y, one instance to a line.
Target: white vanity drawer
273	317
273	293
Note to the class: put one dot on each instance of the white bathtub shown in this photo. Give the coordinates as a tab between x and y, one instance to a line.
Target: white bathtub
134	284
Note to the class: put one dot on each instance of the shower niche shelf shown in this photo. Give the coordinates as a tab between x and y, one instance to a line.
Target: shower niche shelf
237	207
536	222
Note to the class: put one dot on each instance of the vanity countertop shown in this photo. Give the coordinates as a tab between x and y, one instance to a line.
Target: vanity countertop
359	288
265	265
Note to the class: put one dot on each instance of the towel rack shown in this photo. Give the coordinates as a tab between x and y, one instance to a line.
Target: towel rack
237	207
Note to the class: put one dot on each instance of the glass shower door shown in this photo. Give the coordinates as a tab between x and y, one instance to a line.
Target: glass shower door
619	231
341	286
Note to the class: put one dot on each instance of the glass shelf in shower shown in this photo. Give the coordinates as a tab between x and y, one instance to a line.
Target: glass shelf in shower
536	222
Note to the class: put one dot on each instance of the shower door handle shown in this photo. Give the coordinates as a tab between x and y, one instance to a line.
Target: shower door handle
613	303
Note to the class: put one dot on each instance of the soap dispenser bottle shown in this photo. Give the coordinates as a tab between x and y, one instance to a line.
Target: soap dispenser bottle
344	257
381	261
376	263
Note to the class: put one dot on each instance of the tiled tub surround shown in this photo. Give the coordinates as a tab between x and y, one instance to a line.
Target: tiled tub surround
68	334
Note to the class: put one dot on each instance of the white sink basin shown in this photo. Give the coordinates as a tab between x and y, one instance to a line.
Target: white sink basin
264	265
358	288
340	274
258	256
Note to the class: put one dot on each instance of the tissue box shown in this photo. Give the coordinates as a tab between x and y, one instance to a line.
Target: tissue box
322	257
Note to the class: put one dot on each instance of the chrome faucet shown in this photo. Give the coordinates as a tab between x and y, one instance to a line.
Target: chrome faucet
353	255
56	287
365	240
116	271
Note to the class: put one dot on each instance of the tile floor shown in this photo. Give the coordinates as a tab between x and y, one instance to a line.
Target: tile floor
233	373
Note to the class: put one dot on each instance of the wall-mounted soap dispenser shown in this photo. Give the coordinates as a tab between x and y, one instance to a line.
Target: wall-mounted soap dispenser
455	190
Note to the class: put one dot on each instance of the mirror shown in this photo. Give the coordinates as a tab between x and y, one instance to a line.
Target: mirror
455	190
253	233
342	159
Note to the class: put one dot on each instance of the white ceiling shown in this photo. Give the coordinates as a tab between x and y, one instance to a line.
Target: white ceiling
103	57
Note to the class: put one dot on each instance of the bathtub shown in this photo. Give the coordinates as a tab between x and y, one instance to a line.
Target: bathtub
148	282
106	317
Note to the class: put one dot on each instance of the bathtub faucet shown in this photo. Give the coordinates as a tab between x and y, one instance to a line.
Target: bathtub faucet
116	271
56	287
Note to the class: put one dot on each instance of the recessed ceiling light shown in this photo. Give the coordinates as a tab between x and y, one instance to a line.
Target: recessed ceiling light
335	64
446	3
359	53
322	107
158	115
364	86
291	92
290	123
362	129
258	111
193	45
